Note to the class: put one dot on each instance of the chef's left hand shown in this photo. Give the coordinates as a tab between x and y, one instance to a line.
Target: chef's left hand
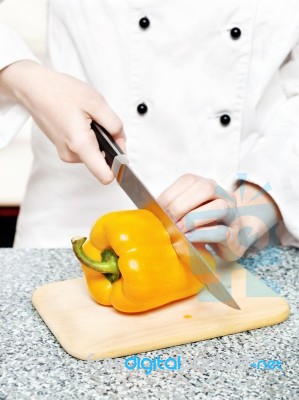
229	221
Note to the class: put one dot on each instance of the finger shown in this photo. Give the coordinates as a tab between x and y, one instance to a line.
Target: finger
121	141
215	210
215	234
102	113
202	191
67	155
176	188
89	153
230	249
225	252
222	239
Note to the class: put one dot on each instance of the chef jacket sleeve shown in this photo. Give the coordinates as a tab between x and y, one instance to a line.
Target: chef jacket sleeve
271	154
12	114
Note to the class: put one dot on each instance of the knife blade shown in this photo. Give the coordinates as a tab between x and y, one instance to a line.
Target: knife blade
142	198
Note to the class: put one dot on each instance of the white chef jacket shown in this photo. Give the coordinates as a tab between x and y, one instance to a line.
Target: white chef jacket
190	67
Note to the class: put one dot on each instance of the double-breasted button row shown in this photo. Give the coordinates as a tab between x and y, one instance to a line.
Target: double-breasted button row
235	34
144	24
142	108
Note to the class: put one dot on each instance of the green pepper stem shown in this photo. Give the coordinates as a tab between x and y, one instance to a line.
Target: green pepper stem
108	266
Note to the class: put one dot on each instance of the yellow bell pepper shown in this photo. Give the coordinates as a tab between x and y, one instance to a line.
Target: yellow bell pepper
129	263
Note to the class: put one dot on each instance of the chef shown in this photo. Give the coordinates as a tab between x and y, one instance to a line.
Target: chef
203	97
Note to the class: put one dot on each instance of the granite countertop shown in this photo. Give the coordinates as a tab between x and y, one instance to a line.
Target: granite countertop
34	366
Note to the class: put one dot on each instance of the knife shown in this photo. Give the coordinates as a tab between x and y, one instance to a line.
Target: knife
142	198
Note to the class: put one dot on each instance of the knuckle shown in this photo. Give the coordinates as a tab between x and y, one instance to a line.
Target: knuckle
207	189
212	183
65	156
93	99
211	187
190	178
75	144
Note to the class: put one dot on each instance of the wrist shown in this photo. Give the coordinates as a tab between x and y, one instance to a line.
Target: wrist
16	79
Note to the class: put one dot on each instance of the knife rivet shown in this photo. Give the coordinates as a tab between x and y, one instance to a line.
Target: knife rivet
142	108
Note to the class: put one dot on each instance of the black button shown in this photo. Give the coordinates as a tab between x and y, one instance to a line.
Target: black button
225	119
235	33
142	108
144	23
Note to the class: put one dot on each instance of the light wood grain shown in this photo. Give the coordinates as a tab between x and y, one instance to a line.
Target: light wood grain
87	330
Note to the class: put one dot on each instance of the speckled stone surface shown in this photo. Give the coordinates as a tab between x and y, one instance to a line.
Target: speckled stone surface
34	366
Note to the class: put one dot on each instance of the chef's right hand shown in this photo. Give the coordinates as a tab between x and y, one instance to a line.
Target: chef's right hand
63	107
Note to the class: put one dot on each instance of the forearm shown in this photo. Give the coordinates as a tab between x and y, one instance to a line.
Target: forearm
13	111
14	55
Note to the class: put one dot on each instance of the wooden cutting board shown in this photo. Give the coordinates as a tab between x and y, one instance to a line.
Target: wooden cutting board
87	330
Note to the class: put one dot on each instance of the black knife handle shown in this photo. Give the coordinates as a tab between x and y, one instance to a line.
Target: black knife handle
106	143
